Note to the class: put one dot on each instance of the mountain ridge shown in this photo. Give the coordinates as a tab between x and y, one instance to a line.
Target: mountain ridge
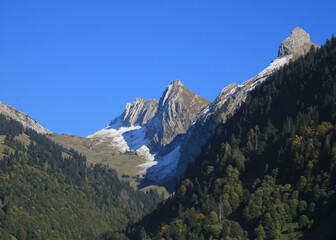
231	97
22	117
138	112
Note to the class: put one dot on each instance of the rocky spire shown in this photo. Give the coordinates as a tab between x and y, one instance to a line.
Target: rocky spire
297	44
178	107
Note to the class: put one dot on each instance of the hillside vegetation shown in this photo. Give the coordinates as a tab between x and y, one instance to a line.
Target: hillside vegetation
98	151
49	192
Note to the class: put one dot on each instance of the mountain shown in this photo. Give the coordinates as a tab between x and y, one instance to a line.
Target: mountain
268	171
23	118
121	145
170	132
231	97
153	130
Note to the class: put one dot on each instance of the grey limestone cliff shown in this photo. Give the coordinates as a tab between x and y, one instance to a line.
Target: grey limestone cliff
298	43
177	109
139	112
154	130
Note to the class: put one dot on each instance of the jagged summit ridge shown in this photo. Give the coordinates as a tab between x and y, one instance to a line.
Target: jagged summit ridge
298	43
23	118
148	126
139	112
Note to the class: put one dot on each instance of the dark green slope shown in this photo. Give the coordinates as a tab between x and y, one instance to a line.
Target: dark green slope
269	172
48	192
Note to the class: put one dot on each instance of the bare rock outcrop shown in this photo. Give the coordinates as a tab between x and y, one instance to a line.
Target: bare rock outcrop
139	112
23	118
298	44
177	110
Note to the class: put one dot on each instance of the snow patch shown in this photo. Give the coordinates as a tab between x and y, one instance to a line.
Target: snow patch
126	139
116	136
135	138
116	123
166	165
145	152
275	65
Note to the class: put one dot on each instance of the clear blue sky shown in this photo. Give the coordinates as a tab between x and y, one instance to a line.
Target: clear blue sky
73	65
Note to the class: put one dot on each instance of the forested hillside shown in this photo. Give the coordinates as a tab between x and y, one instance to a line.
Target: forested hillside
48	192
269	171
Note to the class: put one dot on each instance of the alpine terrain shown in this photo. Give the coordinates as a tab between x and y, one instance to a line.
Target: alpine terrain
268	170
154	129
170	132
49	192
259	162
231	97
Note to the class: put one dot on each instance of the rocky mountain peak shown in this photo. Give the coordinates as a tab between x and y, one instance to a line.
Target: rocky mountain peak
171	92
176	82
297	44
178	107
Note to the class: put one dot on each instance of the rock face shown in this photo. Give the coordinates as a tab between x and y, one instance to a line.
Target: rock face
178	107
23	118
298	43
138	112
231	97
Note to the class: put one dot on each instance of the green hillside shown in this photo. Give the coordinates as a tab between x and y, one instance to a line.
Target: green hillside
49	192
